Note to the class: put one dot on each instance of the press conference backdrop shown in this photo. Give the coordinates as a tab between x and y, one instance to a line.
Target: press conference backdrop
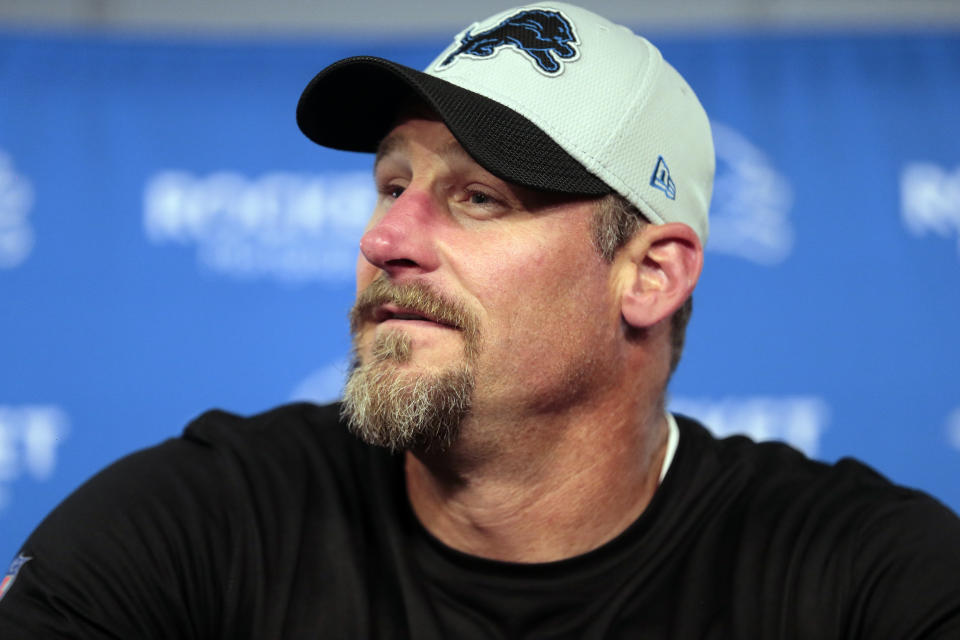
170	242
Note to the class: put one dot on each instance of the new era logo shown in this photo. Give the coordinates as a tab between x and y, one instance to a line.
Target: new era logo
661	179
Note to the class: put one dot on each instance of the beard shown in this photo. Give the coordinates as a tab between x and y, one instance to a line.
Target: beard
387	405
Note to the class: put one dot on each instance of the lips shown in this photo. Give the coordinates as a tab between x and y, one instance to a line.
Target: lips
385	312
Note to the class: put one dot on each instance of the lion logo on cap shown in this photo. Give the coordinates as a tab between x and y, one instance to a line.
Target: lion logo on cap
541	34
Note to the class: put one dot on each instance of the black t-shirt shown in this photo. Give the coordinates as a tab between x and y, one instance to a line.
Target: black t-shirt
284	526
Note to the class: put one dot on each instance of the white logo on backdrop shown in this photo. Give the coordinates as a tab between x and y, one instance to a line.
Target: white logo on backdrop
751	202
289	226
324	385
930	200
16	199
953	429
797	420
29	437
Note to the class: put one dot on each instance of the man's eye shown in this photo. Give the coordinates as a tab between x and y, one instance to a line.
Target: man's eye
393	191
478	197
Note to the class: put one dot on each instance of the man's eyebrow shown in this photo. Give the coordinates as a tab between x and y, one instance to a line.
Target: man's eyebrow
388	145
454	148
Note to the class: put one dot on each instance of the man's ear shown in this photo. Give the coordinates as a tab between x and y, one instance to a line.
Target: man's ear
661	265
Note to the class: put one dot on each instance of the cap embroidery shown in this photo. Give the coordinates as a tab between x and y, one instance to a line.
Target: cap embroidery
661	179
538	33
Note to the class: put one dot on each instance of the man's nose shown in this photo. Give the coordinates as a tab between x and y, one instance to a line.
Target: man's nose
401	240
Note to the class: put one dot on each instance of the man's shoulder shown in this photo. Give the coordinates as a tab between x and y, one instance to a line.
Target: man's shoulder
220	469
298	430
293	443
771	461
289	421
857	546
774	482
227	503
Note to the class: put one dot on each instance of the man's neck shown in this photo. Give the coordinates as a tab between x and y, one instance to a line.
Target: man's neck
519	500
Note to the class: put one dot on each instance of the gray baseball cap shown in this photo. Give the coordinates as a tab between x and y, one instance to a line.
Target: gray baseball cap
549	96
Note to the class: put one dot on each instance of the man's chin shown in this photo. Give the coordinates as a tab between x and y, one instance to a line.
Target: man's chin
402	406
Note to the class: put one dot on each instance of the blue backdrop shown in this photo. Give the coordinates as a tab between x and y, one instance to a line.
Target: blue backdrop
170	242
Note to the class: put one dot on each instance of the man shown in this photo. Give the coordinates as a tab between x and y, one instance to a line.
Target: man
523	288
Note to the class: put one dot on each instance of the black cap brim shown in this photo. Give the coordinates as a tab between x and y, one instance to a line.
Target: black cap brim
354	103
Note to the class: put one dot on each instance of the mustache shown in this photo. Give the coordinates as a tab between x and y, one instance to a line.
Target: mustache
413	296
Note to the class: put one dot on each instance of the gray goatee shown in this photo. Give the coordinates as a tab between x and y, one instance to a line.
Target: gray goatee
388	406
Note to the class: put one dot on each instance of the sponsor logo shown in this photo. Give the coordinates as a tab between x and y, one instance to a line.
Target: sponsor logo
29	437
12	572
930	200
287	226
543	35
749	214
797	420
16	200
661	179
323	386
953	429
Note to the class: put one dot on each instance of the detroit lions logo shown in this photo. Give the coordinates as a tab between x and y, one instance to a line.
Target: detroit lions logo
543	35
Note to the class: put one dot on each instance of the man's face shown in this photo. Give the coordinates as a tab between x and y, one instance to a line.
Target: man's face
477	299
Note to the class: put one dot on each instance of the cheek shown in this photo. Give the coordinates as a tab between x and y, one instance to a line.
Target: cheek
552	299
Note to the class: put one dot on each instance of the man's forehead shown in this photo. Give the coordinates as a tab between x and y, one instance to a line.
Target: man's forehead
400	139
